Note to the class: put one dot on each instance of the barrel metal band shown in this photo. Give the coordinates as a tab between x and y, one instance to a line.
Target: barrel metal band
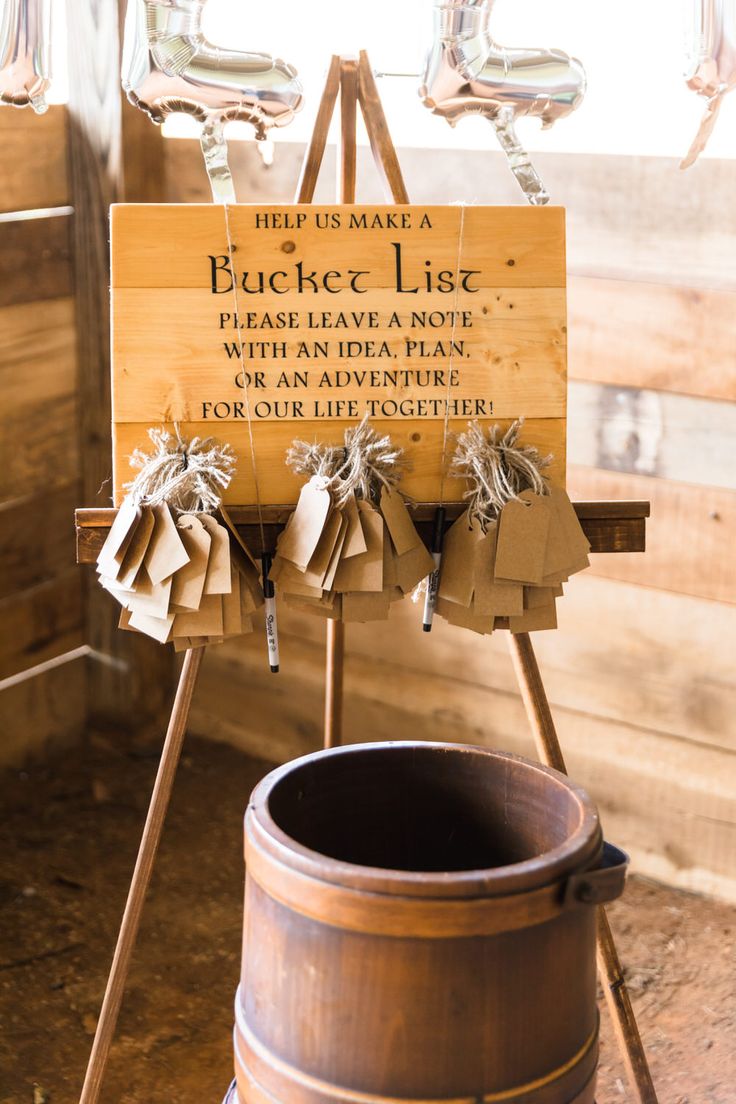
259	1060
391	915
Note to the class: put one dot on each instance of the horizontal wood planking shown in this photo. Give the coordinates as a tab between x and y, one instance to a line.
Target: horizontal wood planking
422	440
34	154
35	259
674	811
172	350
165	245
43	713
664	338
41	623
656	659
675	231
691	534
36	538
37	451
677	437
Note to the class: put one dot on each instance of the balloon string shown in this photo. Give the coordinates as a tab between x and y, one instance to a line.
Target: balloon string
446	427
241	357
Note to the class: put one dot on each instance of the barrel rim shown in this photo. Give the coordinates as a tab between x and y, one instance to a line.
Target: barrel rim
581	851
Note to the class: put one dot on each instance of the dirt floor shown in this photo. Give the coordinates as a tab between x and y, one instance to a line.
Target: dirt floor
67	845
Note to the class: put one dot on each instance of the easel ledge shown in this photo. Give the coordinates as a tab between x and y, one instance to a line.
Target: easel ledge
609	526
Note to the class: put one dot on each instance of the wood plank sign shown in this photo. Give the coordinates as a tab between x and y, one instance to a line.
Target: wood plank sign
296	321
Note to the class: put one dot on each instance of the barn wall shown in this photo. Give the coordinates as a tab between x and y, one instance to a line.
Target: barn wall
640	674
42	666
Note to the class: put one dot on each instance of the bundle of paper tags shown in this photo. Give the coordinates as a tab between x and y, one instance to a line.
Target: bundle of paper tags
350	560
189	580
507	573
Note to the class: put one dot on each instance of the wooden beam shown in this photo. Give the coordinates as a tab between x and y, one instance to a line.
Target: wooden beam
609	526
25	243
316	149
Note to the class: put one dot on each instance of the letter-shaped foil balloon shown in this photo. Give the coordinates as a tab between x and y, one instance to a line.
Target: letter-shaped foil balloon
467	73
168	65
25	52
711	64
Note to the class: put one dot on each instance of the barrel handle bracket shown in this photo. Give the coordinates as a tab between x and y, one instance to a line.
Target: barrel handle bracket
602	884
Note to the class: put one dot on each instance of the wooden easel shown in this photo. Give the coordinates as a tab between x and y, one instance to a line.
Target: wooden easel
611	527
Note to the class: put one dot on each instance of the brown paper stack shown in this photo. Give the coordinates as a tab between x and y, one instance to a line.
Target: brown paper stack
509	574
348	562
190	580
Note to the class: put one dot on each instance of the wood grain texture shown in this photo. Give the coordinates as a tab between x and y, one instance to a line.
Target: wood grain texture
675	437
309	172
382	147
41	623
691	533
36	149
168	245
36	539
39	715
656	659
422	440
672	810
346	173
653	336
35	259
177	349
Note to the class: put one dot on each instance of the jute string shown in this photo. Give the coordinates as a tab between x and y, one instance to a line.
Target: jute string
366	463
189	476
498	469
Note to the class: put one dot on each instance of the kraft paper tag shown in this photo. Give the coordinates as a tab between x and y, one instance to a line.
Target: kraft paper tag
232	529
322	555
354	539
544	617
458	559
204	621
401	528
522	539
536	597
231	616
136	550
165	553
301	536
491	598
149	598
118	539
157	627
362	606
217	579
568	520
463	618
188	583
412	567
337	552
365	571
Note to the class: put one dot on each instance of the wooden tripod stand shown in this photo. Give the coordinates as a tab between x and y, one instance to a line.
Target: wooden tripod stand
610	527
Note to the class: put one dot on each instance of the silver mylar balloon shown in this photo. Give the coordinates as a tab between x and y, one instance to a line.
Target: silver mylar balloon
168	65
25	52
711	64
467	73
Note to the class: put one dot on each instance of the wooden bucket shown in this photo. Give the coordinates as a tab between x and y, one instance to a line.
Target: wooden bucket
419	927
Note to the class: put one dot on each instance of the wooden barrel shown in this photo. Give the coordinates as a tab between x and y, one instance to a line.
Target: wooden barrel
419	926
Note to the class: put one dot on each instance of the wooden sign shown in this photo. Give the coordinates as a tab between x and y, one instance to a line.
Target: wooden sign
406	313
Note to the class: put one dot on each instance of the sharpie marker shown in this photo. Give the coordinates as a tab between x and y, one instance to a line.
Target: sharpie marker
433	581
272	629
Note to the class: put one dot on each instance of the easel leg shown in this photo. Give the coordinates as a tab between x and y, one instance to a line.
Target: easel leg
141	878
609	968
333	683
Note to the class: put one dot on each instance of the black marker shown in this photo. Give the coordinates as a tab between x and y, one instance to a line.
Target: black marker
272	630
433	580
